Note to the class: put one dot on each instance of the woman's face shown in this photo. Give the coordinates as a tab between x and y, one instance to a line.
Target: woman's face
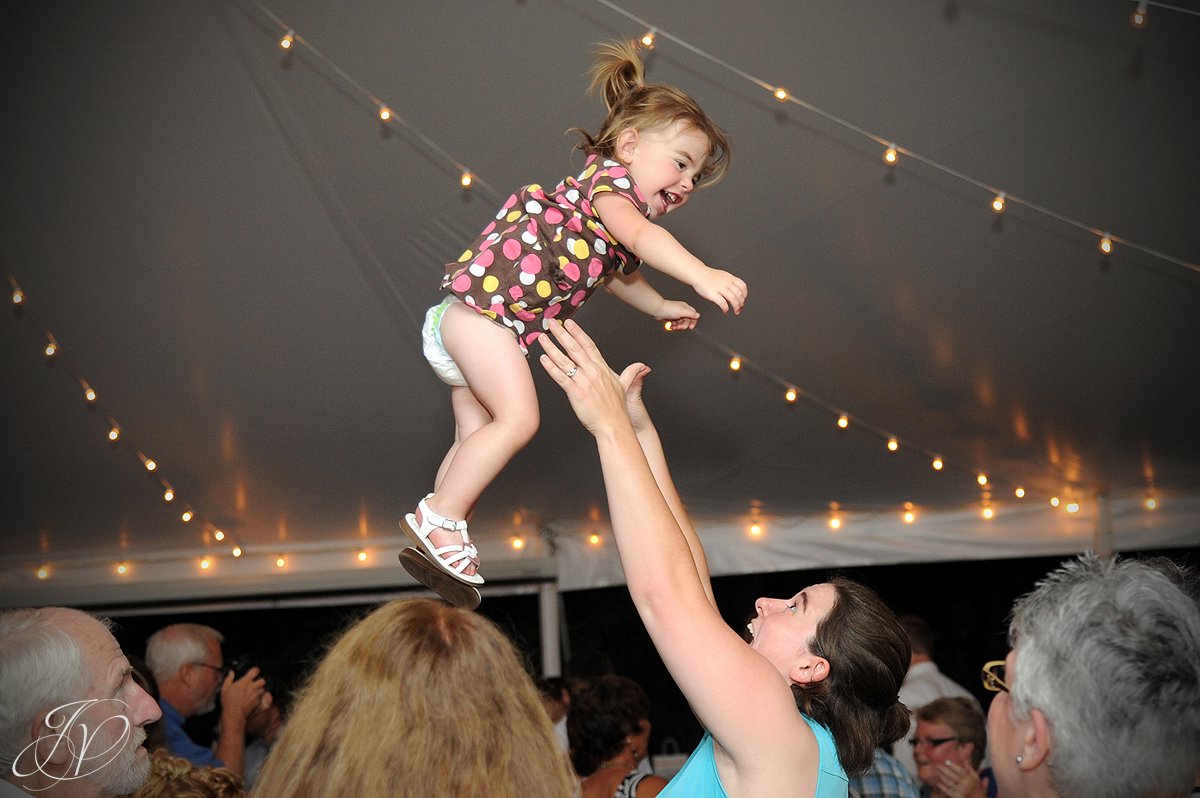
782	628
937	743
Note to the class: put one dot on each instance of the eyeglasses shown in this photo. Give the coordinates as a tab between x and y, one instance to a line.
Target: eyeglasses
994	677
220	669
932	742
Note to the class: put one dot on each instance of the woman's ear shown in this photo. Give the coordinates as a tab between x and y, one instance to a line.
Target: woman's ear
626	145
810	669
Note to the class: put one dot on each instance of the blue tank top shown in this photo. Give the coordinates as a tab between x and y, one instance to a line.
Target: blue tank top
698	777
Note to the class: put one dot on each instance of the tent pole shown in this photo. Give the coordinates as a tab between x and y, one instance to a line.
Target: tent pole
1102	538
549	618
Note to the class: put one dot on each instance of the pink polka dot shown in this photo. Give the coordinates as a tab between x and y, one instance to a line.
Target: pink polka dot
497	308
572	271
532	228
586	207
552	311
578	297
516	292
595	267
487	230
533	336
575	224
511	249
525	315
512	200
461	283
554	215
531	264
617	171
485	258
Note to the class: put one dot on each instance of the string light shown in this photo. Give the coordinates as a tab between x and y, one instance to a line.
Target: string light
781	94
168	494
114	433
843	421
1019	492
982	479
1151	503
88	393
1106	245
18	296
835	521
1138	18
517	542
149	463
988	513
1072	507
1054	501
938	464
467	179
790	396
218	535
280	561
51	347
205	564
43	572
998	202
362	555
187	515
385	113
735	363
594	539
647	40
667	326
890	156
893	444
237	551
288	40
122	568
755	530
910	515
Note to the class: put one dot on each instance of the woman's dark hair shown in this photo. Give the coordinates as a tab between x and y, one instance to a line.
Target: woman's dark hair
601	718
868	654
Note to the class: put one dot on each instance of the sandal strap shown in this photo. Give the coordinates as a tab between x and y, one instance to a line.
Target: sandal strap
431	519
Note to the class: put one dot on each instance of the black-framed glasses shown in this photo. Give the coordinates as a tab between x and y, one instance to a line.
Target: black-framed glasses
220	669
932	742
994	676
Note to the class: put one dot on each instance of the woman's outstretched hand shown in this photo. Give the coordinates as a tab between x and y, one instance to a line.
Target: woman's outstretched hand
600	398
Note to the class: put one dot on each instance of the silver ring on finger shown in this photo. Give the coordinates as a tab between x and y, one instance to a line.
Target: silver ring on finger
571	372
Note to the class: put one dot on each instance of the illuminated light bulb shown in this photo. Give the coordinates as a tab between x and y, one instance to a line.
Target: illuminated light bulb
89	393
187	516
122	569
1054	501
51	348
1138	18
998	202
518	542
288	40
362	556
114	433
43	572
237	551
1072	507
385	113
1106	244
466	180
843	421
910	515
169	494
647	40
756	530
988	513
835	522
667	326
1151	503
893	444
594	539
982	479
280	562
218	535
890	156
735	363
150	464
18	296
1019	492
790	396
938	464
205	564
781	94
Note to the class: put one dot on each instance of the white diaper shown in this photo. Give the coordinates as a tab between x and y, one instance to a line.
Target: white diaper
435	351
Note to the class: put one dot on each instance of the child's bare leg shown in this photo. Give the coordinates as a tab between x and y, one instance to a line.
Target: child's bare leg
504	416
469	416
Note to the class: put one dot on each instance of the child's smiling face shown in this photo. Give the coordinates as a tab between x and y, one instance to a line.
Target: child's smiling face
664	163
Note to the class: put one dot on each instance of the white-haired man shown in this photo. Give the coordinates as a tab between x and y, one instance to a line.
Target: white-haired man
1100	694
72	719
186	661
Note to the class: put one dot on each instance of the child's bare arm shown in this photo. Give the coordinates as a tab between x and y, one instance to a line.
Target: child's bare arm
662	251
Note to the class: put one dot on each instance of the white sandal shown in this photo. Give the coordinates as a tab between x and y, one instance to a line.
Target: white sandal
452	558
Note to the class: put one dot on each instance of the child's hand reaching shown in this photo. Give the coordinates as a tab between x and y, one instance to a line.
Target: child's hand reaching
723	289
681	315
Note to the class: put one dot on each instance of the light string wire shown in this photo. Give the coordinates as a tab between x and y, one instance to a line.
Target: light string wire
1169	7
886	142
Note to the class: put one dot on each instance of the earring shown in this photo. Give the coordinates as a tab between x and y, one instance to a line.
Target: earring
634	751
1020	759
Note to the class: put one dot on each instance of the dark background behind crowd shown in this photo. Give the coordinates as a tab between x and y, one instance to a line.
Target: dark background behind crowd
967	604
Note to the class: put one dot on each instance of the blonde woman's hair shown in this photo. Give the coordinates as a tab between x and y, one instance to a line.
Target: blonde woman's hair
618	76
418	699
174	777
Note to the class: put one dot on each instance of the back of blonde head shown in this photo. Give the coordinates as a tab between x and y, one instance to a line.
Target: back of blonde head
418	699
618	76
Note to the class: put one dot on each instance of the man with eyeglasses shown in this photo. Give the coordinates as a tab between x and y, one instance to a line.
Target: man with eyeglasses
1100	694
186	661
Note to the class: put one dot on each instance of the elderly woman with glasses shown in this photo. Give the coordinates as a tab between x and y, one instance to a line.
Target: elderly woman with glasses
948	747
1100	694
